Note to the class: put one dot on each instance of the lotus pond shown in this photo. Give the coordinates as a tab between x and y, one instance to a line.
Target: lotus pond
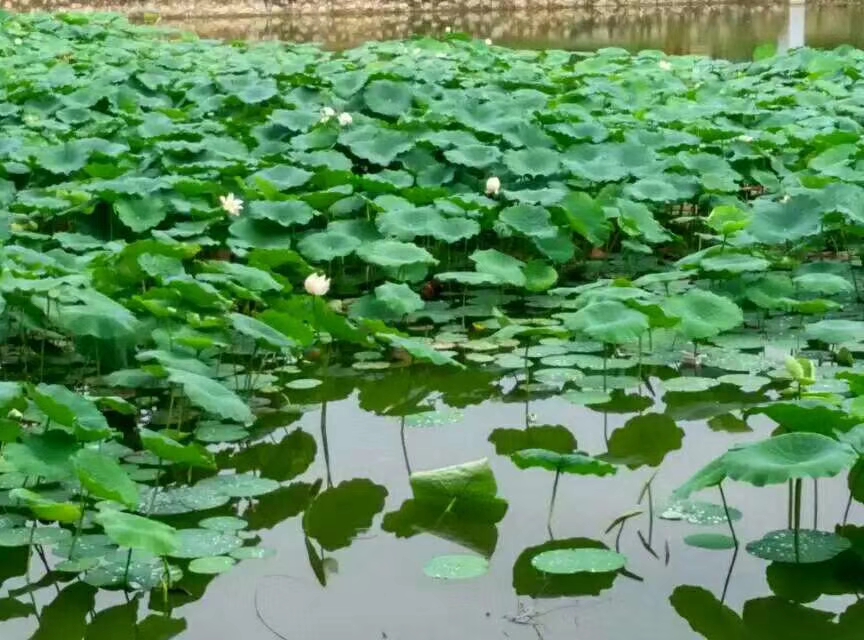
588	364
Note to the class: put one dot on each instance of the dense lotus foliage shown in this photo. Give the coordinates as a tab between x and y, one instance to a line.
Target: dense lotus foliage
199	239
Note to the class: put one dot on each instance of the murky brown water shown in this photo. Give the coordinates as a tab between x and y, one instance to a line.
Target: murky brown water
730	31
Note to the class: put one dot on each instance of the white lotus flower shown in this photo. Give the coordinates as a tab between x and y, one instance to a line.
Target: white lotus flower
317	284
448	30
231	204
665	65
488	42
493	186
327	113
345	119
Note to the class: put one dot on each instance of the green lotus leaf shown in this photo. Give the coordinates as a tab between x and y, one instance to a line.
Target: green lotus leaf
575	463
530	220
835	331
609	321
168	449
828	284
390	253
283	177
211	396
804	546
734	263
203	543
533	162
399	298
137	532
45	508
327	245
567	561
456	567
474	156
788	456
103	477
285	213
387	97
499	265
704	314
713	541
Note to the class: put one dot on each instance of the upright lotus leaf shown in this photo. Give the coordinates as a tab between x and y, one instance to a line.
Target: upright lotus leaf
809	415
261	333
463	484
827	284
710	475
419	350
168	449
574	463
787	457
786	221
399	298
45	508
141	214
327	245
835	331
539	276
609	321
530	220
338	514
211	396
137	532
103	477
586	217
46	456
555	438
388	97
704	314
727	220
69	409
395	254
503	267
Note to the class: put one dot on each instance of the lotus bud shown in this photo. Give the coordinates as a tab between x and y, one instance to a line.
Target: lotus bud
317	284
493	186
796	371
327	113
665	65
345	119
231	204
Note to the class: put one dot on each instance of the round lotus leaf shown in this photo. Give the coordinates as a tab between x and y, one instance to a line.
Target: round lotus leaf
77	566
392	253
703	314
609	321
689	383
805	547
710	541
327	245
145	571
479	358
456	567
587	397
370	365
212	565
19	537
218	432
223	523
558	376
178	500
11	520
788	456
576	463
827	284
434	418
529	220
567	561
303	383
252	553
511	361
86	546
610	382
696	512
835	331
241	485
734	263
201	543
746	382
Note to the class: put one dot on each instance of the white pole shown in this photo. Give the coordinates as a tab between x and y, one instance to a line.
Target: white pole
797	18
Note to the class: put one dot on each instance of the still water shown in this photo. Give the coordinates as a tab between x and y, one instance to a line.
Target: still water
727	31
372	584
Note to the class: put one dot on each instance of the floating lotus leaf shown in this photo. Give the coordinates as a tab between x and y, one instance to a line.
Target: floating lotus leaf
835	331
696	512
704	314
716	541
804	546
211	565
202	543
567	561
456	567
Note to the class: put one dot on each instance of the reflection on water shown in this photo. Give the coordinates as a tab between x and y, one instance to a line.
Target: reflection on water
352	536
723	31
728	31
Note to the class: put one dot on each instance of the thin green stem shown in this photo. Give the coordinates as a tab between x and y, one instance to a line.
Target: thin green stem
728	516
552	501
797	516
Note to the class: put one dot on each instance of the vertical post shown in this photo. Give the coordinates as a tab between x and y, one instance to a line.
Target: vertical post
795	36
